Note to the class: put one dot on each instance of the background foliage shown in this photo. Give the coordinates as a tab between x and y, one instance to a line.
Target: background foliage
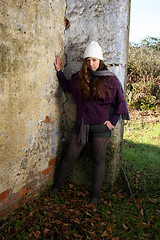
143	80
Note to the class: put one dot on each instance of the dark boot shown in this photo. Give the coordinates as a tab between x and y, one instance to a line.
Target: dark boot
57	187
94	197
94	200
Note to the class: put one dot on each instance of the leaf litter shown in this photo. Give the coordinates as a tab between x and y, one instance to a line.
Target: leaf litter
59	217
68	215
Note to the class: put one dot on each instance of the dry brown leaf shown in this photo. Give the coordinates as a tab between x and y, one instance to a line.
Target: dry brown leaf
46	230
142	212
77	236
37	234
104	234
93	234
125	227
110	229
31	214
77	221
58	221
88	214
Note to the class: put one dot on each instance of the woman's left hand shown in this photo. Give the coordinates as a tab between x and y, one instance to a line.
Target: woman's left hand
109	125
57	63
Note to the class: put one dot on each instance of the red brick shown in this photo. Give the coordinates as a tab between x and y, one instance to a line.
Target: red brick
23	192
48	170
10	199
4	213
50	177
4	195
17	200
15	205
32	195
52	162
47	119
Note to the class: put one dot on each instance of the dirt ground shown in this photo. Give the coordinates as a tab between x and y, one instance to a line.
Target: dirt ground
149	116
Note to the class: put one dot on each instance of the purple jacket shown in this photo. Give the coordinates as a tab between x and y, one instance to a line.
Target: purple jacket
96	111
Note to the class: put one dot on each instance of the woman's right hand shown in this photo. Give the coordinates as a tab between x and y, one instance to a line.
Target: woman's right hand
109	125
57	63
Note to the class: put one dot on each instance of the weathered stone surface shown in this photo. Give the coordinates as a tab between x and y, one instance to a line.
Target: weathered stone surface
106	22
31	33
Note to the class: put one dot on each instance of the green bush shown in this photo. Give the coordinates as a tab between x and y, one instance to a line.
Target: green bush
143	79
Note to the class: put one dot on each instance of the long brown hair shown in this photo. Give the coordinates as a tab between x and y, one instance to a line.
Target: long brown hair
95	89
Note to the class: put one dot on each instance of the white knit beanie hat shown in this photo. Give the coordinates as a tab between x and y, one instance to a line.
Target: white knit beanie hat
93	50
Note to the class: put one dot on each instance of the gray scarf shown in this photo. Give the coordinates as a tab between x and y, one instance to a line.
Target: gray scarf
83	133
84	129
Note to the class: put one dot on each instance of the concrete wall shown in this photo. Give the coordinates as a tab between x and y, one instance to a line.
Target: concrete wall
105	21
31	33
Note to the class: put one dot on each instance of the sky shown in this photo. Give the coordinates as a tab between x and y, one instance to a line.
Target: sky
144	19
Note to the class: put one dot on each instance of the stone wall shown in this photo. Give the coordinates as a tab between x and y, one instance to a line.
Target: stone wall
31	33
32	105
105	21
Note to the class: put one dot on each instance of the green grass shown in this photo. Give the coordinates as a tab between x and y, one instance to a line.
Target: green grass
141	152
70	216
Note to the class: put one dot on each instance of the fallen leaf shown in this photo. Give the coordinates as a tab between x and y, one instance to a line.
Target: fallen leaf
157	210
46	230
93	234
104	234
37	234
58	221
109	229
77	221
143	225
88	214
125	227
102	224
108	212
31	214
77	236
142	212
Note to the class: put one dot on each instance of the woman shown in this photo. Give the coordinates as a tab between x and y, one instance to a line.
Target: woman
95	91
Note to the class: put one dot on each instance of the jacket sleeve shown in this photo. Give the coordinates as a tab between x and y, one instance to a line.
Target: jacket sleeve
119	102
114	119
65	83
